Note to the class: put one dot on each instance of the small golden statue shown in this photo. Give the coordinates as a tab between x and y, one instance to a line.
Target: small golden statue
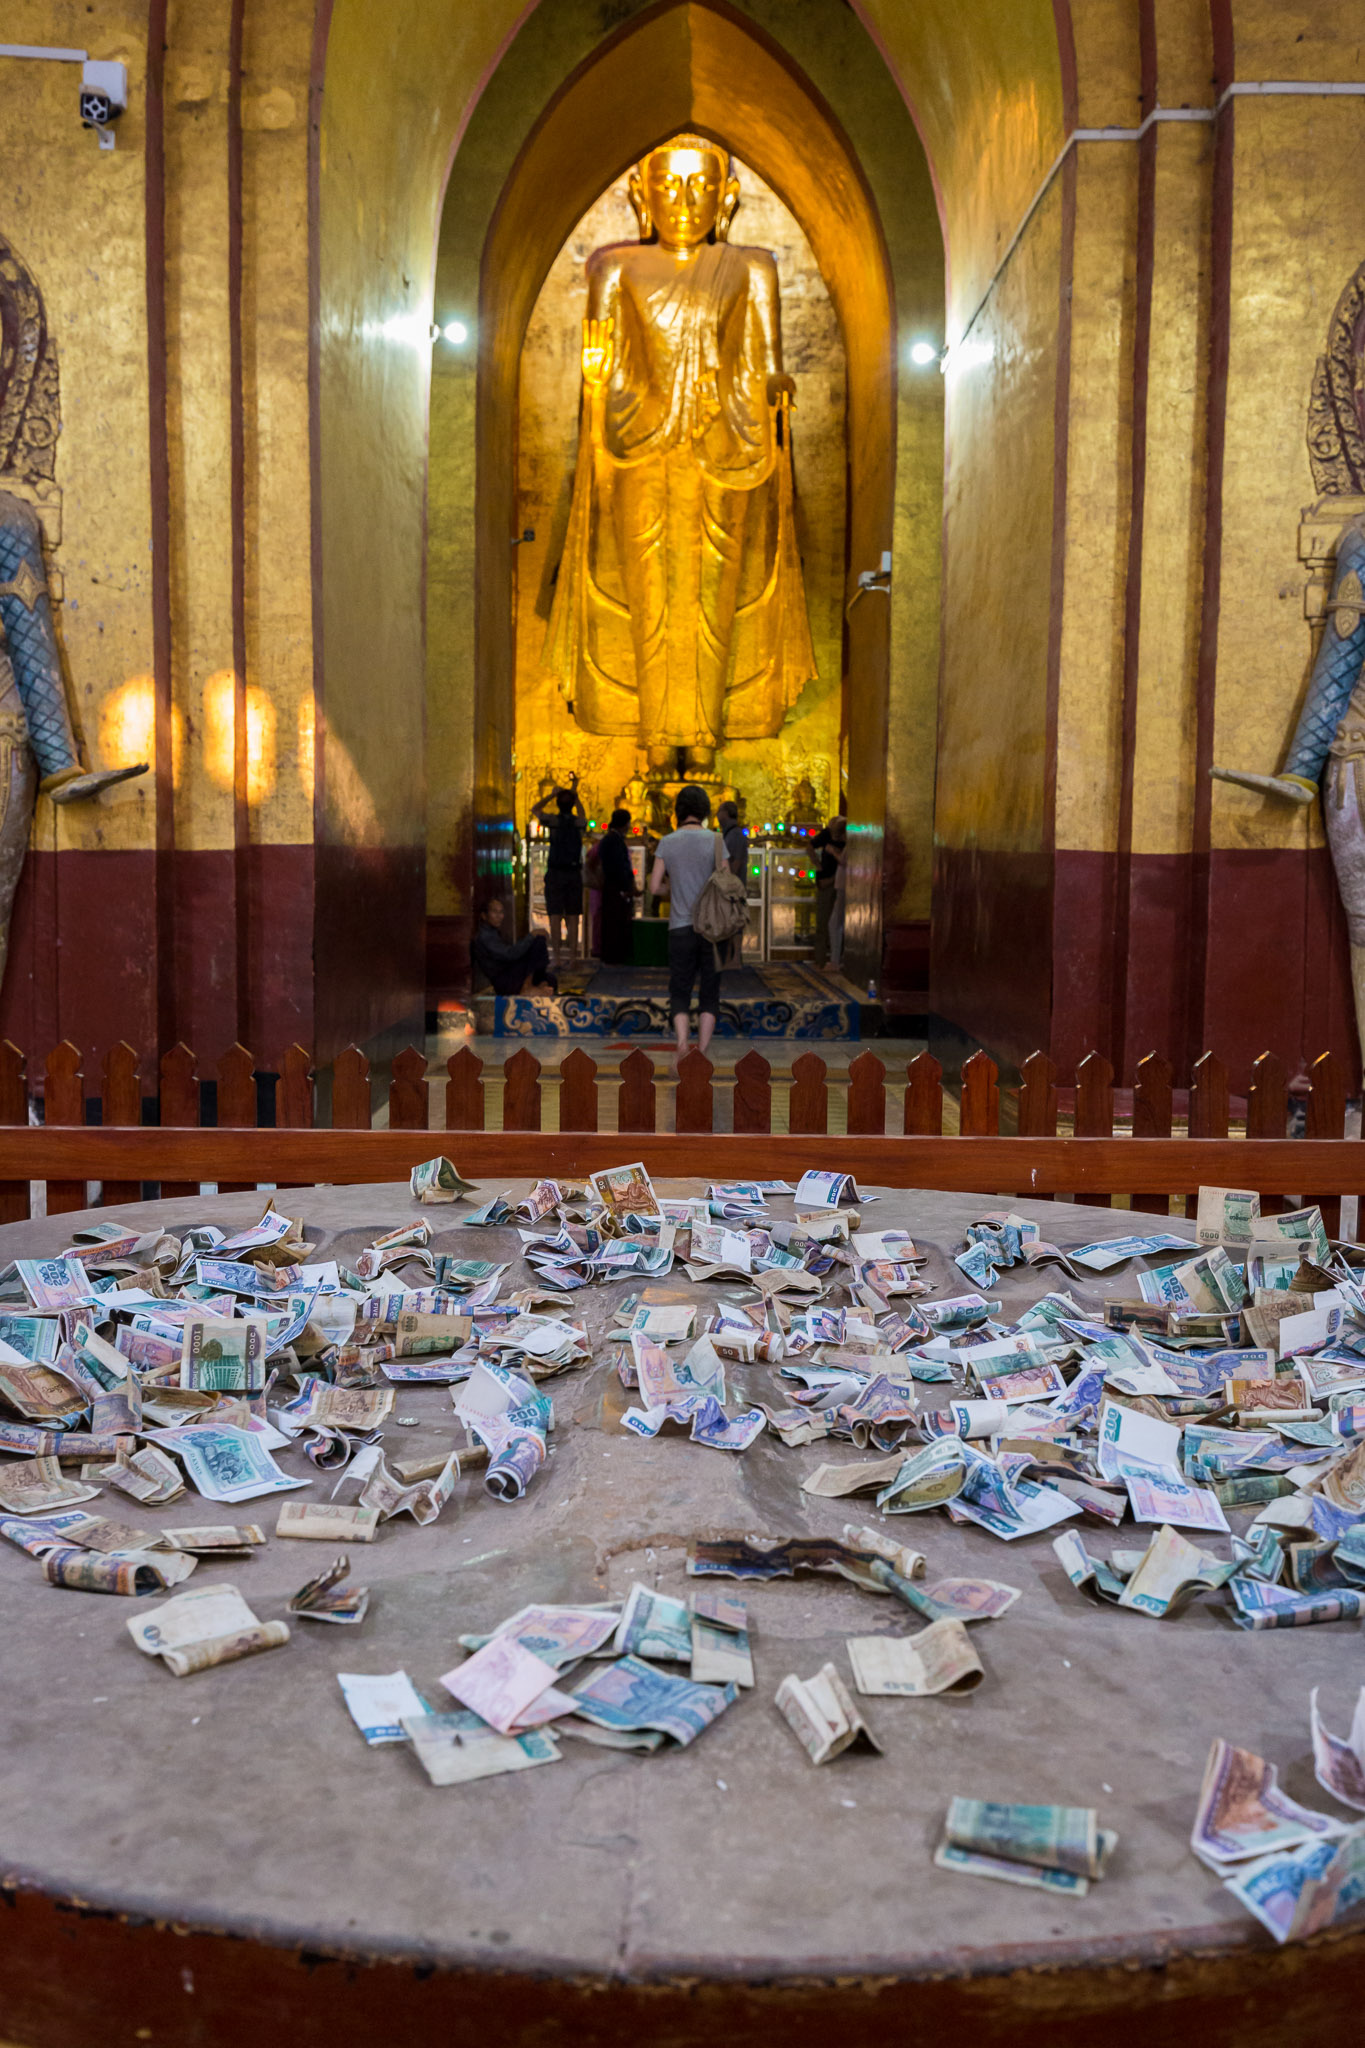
805	809
680	612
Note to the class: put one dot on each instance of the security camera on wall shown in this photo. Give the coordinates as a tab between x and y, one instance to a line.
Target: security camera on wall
104	96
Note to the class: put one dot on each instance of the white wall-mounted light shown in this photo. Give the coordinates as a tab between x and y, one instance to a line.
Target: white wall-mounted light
456	333
922	353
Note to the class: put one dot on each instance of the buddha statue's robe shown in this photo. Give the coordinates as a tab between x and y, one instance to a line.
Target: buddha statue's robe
680	614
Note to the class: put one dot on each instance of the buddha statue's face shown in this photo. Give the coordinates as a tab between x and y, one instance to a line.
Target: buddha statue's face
683	188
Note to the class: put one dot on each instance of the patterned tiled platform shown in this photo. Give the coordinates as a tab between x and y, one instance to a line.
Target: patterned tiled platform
775	1000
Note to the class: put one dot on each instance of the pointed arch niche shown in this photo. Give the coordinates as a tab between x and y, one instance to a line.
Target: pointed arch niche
861	192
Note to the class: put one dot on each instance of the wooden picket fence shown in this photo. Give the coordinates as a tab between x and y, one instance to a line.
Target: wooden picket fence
128	1157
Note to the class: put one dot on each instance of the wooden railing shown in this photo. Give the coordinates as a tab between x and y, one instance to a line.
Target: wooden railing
108	1137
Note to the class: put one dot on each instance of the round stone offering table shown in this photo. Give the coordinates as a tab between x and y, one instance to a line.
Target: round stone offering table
221	1860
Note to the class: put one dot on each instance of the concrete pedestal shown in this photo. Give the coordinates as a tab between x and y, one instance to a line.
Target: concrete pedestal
221	1860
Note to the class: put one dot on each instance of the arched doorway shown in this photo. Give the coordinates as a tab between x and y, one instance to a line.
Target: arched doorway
709	69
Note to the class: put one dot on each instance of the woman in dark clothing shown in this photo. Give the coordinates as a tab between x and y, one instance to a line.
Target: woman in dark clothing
618	891
511	966
564	868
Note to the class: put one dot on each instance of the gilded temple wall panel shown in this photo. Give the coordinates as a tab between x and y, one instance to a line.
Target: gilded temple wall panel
1108	63
985	86
998	557
1297	39
1098	499
1171	566
1183	53
199	421
278	507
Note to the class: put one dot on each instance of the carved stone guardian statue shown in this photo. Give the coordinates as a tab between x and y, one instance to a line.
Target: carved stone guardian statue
1326	754
37	744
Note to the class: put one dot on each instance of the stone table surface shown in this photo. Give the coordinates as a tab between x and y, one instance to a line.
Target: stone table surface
244	1797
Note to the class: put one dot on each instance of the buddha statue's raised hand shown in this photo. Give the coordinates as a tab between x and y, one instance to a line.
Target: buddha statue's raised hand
597	352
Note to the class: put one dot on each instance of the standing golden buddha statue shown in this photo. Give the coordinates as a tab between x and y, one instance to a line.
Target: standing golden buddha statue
680	612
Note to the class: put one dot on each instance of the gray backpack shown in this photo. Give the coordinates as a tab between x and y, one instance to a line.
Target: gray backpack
721	910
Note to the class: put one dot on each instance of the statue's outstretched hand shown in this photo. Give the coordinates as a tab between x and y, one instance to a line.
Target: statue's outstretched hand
597	351
1295	789
82	787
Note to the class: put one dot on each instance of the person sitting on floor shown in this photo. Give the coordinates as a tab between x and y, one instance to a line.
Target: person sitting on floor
513	966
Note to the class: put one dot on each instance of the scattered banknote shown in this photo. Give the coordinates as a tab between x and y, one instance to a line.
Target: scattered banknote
328	1597
1170	1572
939	1659
53	1284
1339	1761
37	1487
225	1463
558	1635
825	1190
1344	1485
439	1180
207	1626
516	1451
38	1392
1242	1812
321	1405
1298	1892
654	1624
500	1682
927	1479
458	1748
972	1863
379	1703
320	1521
1260	1606
782	1559
821	1713
1068	1839
973	1599
1227	1216
625	1191
98	1532
1212	1282
215	1540
379	1490
721	1649
1159	1494
631	1698
1297	1227
125	1573
1131	1438
148	1476
1109	1252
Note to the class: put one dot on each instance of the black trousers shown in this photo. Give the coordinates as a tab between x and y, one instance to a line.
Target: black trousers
618	914
689	955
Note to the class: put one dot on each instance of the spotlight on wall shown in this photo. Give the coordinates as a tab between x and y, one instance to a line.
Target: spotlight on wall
406	327
456	333
922	353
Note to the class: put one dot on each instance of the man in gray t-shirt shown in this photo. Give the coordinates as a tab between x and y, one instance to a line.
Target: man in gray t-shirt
682	863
